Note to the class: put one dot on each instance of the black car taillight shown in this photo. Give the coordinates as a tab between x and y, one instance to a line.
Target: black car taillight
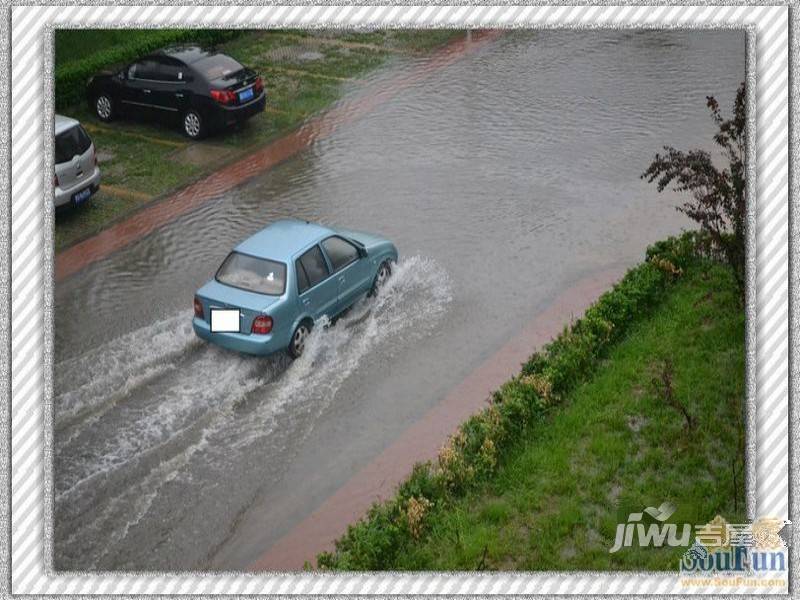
262	324
223	96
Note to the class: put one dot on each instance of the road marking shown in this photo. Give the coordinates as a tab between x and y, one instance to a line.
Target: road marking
77	257
120	192
378	480
147	138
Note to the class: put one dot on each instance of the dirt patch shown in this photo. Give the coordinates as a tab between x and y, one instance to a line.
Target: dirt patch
594	539
614	492
636	422
104	156
567	552
291	53
201	155
310	55
706	298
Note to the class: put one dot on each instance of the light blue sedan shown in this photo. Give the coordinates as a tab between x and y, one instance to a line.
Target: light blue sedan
269	292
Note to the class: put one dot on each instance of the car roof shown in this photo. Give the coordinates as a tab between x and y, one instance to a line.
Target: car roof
283	239
63	123
187	54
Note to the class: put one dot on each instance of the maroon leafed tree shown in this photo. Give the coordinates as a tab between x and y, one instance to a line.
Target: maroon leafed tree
717	193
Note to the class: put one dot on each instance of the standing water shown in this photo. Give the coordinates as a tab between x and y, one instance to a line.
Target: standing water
503	178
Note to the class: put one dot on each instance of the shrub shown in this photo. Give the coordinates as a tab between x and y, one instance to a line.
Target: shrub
718	195
71	78
472	453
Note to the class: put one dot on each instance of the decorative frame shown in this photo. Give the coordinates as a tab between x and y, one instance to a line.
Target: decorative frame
26	323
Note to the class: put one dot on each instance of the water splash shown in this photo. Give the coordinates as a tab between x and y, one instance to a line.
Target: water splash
156	405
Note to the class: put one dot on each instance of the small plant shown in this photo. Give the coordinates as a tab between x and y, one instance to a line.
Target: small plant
416	510
482	563
540	384
663	383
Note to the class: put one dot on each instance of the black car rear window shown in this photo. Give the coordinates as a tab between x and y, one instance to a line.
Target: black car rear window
218	66
253	274
72	142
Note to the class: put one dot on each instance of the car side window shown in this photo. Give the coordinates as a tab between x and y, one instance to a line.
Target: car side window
340	251
170	73
315	267
144	69
302	278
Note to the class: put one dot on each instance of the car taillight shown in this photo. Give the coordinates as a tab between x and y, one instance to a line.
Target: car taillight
223	96
198	308
262	324
55	180
259	85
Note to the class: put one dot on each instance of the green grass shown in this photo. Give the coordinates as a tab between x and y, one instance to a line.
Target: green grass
304	72
94	216
613	447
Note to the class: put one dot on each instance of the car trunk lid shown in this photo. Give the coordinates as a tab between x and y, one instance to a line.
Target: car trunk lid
240	83
250	304
74	157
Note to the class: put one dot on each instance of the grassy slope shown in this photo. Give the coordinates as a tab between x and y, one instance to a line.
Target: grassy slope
304	73
615	447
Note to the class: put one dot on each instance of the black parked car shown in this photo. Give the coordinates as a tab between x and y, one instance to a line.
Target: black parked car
199	89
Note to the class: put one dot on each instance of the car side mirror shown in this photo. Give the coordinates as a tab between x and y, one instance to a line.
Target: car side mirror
362	252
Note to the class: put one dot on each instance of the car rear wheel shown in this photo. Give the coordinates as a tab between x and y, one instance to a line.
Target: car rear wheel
104	107
193	125
384	272
299	339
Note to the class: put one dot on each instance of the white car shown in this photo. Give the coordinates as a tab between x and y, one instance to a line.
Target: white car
77	175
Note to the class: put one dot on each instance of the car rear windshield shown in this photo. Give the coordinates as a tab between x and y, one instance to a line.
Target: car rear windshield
72	142
253	274
218	66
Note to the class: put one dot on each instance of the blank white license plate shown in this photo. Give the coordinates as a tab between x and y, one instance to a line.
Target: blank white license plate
224	320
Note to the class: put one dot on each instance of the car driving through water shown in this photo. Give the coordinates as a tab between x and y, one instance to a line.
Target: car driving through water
274	286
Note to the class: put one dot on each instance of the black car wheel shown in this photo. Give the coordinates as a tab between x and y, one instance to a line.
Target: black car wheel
299	338
193	125
384	272
104	107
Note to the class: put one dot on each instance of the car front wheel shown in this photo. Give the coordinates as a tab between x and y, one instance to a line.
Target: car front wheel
384	272
104	107
193	125
299	339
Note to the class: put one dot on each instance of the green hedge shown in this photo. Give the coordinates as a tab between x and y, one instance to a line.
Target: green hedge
473	452
71	78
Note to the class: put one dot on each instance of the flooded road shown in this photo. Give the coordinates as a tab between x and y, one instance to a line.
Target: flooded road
503	178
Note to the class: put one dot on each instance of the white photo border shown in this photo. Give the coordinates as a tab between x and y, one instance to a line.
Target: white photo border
26	319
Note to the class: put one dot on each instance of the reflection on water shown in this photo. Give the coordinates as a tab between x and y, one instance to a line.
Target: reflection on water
513	171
